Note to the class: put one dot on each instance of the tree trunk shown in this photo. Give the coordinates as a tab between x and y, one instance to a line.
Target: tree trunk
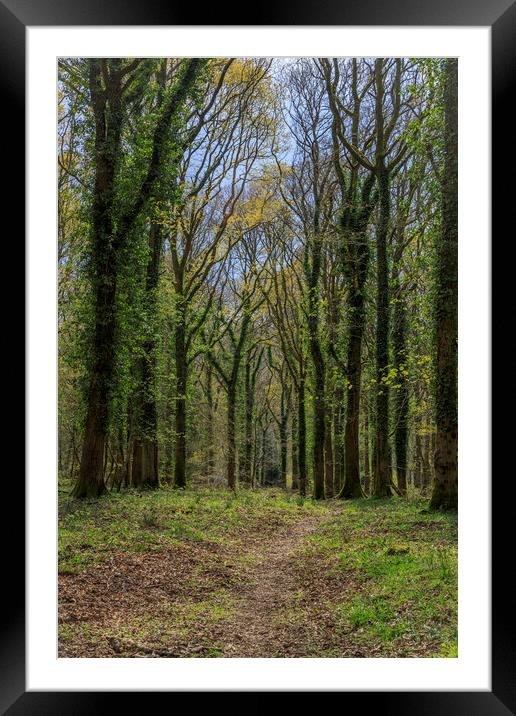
328	457
231	468
367	457
382	476
294	450
445	488
181	388
352	487
210	453
313	264
245	467
145	455
109	116
401	397
319	421
262	464
108	126
319	407
301	426
427	469
283	438
338	439
356	260
418	457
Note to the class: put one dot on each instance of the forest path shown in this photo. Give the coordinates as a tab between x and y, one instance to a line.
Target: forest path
274	612
264	589
260	574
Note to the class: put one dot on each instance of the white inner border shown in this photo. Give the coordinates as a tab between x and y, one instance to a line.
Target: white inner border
471	671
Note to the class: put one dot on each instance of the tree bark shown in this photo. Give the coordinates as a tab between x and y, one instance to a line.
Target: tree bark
283	436
181	388
295	449
301	426
338	439
329	487
401	398
210	453
352	487
319	420
445	488
367	458
145	449
108	111
356	257
231	466
319	405
382	473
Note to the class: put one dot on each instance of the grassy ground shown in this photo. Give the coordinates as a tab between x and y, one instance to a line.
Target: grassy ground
203	573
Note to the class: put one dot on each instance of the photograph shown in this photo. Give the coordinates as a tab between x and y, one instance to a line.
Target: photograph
257	320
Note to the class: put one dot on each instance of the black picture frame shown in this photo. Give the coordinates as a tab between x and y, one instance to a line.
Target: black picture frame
15	16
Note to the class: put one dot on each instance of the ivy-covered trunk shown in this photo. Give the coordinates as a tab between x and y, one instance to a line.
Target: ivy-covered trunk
313	270
145	450
283	436
319	419
181	388
210	452
246	463
231	440
401	397
108	83
382	466
328	456
367	456
107	110
294	448
352	487
338	439
445	488
301	427
356	257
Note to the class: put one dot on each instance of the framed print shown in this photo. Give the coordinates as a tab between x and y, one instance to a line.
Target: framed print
243	426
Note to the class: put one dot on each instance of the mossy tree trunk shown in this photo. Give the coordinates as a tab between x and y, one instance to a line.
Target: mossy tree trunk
401	394
357	206
338	414
313	272
445	488
294	445
181	360
329	476
382	457
356	255
109	82
106	101
145	446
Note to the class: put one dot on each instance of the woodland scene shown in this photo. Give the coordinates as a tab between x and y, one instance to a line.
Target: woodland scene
257	390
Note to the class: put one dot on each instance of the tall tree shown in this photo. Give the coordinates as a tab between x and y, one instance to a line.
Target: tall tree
445	487
308	191
357	204
110	82
215	171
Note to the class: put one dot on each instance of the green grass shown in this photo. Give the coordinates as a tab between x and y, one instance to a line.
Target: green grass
404	560
136	522
395	564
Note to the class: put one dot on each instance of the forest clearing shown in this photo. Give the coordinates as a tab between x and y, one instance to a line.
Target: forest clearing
257	283
206	574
